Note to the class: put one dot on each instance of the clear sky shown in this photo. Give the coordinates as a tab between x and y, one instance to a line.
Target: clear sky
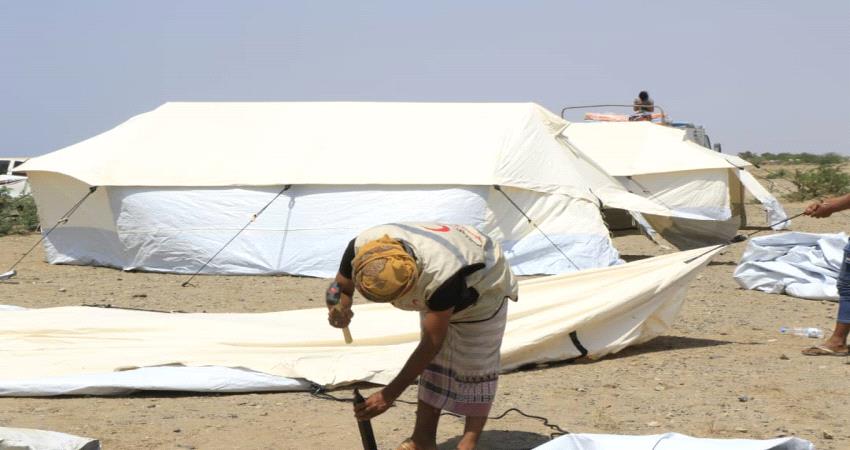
759	75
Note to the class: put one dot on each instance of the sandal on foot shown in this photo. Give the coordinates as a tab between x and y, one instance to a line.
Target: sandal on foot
822	350
407	444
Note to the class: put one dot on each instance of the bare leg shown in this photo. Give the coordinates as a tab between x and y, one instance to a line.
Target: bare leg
425	430
471	432
838	340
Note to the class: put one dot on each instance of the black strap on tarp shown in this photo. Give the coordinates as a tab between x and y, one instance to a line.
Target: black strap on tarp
579	347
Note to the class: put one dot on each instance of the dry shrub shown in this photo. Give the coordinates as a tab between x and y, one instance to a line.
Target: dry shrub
819	182
17	215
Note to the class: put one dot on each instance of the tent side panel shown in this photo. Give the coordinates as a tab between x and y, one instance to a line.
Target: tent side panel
776	215
304	231
575	225
694	194
708	204
736	197
89	236
688	234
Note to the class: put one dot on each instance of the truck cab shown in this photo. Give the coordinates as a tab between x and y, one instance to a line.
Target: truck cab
696	134
14	183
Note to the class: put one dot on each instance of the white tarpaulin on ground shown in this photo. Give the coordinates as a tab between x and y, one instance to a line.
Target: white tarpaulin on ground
30	439
163	378
703	188
669	441
804	265
177	183
597	311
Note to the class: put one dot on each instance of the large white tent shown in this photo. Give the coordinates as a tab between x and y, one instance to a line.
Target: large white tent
705	189
175	184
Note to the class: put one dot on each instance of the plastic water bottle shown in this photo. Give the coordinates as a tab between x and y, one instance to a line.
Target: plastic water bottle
812	332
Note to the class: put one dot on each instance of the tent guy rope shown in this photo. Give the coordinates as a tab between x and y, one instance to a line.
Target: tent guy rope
253	218
742	238
64	219
499	188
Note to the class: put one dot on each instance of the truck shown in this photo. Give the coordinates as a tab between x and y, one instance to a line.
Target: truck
13	183
696	134
693	133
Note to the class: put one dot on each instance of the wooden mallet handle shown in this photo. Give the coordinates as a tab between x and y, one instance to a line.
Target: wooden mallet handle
346	334
332	296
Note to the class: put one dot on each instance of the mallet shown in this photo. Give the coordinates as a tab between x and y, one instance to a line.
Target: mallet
332	296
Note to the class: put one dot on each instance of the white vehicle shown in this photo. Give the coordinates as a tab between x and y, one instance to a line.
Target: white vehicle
16	183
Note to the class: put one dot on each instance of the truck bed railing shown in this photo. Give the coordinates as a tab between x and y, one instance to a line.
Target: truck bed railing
660	109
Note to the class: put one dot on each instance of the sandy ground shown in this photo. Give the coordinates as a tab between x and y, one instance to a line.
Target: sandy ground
723	370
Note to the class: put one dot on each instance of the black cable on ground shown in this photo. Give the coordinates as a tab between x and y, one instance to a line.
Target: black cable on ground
321	393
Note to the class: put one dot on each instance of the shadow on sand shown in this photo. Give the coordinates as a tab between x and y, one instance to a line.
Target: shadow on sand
723	263
632	258
659	344
665	343
501	440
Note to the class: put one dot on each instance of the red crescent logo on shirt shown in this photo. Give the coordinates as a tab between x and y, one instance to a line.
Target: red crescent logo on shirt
441	229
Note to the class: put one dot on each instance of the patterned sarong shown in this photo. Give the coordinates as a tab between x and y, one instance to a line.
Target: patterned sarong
463	376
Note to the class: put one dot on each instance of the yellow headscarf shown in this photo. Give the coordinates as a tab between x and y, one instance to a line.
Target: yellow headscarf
383	270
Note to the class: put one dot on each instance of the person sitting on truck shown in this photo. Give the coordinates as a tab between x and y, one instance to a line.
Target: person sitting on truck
643	104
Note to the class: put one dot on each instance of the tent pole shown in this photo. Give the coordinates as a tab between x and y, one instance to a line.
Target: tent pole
499	188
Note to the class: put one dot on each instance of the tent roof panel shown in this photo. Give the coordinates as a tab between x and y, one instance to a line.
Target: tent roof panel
635	148
273	143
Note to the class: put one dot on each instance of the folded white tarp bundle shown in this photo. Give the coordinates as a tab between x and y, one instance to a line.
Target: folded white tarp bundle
669	441
30	439
594	312
804	265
